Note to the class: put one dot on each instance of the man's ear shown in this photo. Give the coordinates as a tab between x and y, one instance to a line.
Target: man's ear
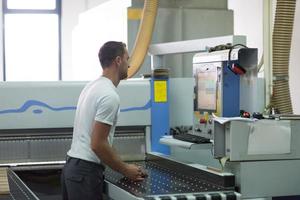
118	60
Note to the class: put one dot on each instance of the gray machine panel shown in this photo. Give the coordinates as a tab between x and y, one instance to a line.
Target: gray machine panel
232	140
135	102
267	178
28	105
181	101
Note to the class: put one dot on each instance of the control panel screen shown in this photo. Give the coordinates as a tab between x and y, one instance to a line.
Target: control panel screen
206	76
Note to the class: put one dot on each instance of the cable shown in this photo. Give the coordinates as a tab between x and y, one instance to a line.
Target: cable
232	47
235	69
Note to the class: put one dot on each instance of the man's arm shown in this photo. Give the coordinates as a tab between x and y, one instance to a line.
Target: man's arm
101	147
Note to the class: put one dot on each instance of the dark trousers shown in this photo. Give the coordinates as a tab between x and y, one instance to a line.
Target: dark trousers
82	179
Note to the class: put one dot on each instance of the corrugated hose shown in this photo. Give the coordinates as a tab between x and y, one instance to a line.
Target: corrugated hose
282	36
144	36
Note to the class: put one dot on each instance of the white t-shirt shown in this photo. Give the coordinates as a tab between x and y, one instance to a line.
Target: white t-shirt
98	101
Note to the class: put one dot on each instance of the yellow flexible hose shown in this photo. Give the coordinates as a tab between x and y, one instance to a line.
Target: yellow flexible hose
282	36
144	36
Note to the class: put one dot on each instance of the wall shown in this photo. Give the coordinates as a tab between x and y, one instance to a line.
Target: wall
70	17
1	42
248	20
294	63
86	26
248	17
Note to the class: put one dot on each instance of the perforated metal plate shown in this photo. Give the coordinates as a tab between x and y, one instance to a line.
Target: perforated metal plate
161	181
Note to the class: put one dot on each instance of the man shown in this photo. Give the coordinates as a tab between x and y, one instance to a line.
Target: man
94	126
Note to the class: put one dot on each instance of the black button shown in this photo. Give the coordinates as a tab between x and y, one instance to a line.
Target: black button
165	198
181	197
215	196
230	196
200	197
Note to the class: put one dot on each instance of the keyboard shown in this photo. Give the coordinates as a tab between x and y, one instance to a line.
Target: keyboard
191	138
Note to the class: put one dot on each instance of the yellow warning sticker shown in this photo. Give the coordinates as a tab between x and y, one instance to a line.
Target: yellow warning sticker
160	91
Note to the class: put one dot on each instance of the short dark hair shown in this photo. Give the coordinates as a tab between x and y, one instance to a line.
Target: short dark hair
109	51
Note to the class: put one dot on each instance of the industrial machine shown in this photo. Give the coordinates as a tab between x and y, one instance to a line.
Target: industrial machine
262	153
225	83
36	131
258	150
36	121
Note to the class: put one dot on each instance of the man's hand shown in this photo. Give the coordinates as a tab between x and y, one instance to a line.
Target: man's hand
134	172
107	155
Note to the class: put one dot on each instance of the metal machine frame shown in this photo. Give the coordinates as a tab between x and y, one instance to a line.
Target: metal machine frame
257	176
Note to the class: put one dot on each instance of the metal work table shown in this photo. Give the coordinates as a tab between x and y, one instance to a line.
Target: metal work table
167	179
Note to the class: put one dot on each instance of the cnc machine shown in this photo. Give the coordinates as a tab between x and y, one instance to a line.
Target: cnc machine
37	120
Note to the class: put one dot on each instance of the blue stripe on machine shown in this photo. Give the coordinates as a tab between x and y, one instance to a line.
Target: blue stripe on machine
31	103
145	107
